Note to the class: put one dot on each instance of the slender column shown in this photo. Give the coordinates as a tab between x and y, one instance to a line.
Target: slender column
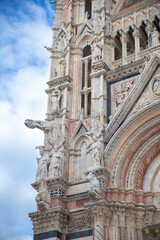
139	234
100	215
86	73
99	231
137	43
122	231
124	48
85	103
149	30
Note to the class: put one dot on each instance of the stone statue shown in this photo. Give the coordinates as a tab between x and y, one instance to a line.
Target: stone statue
97	50
98	24
70	31
42	164
48	141
55	168
60	67
42	125
95	186
155	37
156	86
55	99
95	155
59	138
86	16
98	128
43	198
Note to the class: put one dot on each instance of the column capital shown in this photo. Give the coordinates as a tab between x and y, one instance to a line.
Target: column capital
149	27
54	219
99	68
123	38
136	33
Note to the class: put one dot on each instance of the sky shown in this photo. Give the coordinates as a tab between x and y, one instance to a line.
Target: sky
25	28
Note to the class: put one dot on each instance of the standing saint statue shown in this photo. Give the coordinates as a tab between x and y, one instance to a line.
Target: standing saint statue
42	164
60	67
96	155
55	99
97	50
156	86
55	168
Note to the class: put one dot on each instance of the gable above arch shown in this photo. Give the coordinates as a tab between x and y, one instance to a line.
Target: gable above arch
131	105
84	36
61	40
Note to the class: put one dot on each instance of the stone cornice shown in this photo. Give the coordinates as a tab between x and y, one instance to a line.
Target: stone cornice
99	68
113	203
125	71
58	182
50	220
51	211
61	82
128	191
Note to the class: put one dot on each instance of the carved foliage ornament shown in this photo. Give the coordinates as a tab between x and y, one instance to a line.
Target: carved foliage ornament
122	91
80	222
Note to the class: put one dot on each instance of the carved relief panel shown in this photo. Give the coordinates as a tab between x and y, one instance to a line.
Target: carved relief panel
119	93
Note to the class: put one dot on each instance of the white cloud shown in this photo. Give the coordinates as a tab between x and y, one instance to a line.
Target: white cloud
24	71
21	238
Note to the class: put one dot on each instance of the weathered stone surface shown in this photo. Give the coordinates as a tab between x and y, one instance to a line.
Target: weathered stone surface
99	168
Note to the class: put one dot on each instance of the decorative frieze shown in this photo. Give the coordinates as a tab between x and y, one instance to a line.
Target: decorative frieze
57	186
125	71
80	221
60	82
122	91
50	220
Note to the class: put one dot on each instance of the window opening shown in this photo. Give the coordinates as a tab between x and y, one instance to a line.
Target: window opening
87	51
118	46
88	8
130	42
86	81
143	36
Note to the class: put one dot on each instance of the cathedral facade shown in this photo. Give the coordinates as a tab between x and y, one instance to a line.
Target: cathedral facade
98	174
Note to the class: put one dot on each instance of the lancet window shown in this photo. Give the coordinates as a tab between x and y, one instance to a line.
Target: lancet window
156	24
86	81
156	32
143	36
88	8
130	42
117	46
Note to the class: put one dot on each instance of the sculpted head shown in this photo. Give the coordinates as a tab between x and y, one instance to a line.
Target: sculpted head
41	149
29	123
90	176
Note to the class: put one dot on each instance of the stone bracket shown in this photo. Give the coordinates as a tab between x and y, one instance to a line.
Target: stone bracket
98	68
61	82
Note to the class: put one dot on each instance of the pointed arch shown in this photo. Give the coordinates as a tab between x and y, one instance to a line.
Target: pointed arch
127	150
80	156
